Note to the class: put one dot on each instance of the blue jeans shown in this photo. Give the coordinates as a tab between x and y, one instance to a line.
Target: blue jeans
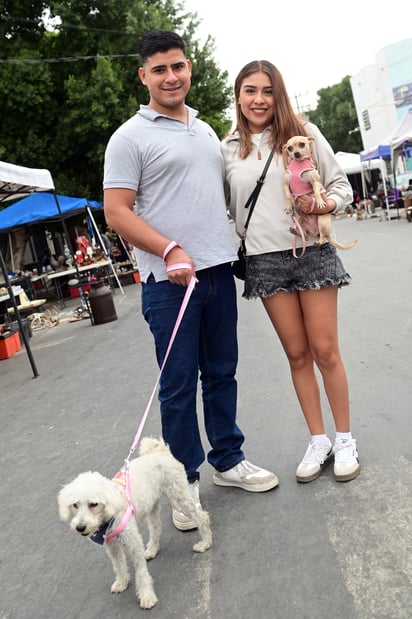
205	345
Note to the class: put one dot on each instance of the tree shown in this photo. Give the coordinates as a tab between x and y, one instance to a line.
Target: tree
336	117
64	91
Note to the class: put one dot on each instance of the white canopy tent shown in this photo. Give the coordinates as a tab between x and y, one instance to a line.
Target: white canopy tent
399	146
390	146
352	163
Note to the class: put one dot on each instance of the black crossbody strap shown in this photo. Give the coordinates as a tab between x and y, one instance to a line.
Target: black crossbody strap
250	204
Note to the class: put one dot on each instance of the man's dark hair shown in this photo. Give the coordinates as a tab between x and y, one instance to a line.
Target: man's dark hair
159	41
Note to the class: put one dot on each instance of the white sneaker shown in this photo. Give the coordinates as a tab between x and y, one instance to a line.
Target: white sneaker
247	476
180	520
316	456
347	465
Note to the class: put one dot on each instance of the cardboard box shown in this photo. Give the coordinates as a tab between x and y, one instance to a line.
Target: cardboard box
9	344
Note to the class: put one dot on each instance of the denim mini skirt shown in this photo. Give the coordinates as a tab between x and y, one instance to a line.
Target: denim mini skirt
319	267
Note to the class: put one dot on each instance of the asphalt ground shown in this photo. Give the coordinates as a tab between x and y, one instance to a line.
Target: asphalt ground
300	551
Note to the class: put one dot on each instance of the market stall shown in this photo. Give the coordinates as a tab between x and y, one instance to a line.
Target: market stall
18	182
37	200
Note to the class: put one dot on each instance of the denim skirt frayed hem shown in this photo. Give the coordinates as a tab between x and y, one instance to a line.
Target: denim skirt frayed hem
319	267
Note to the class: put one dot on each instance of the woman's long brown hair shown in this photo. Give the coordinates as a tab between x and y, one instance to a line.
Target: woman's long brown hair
285	122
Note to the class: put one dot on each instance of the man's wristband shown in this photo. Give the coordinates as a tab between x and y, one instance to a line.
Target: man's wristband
179	265
169	248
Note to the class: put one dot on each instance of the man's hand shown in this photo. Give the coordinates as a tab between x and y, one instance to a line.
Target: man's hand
179	266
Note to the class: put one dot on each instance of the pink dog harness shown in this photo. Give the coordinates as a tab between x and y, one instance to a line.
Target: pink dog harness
102	536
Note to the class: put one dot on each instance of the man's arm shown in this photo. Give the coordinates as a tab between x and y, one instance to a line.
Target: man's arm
119	214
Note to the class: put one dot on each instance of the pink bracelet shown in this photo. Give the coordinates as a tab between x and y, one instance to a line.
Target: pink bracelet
169	248
179	265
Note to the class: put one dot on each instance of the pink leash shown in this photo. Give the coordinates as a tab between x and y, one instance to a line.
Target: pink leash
298	227
123	477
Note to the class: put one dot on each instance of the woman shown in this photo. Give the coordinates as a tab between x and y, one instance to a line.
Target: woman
299	294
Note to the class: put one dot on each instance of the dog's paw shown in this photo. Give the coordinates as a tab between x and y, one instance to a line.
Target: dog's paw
119	585
202	546
148	600
288	209
151	552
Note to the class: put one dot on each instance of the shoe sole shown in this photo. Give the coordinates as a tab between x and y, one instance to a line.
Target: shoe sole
304	480
184	526
349	476
218	481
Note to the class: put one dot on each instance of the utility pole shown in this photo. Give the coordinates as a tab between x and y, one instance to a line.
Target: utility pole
299	108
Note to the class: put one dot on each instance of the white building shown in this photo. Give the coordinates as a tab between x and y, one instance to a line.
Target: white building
383	92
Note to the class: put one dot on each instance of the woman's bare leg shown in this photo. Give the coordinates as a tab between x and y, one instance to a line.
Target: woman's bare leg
320	316
285	313
306	323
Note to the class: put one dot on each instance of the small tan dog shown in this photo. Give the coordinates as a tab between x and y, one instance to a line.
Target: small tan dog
302	178
96	505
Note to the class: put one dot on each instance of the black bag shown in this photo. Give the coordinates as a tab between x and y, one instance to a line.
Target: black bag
239	265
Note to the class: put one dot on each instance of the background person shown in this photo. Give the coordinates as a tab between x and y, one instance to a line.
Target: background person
170	163
298	294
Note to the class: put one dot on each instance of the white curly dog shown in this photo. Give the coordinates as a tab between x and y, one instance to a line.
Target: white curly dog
96	505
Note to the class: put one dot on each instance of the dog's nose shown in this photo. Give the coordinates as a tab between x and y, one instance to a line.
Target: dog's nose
296	154
80	528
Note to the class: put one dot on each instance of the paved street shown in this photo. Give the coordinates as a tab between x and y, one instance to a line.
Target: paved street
301	551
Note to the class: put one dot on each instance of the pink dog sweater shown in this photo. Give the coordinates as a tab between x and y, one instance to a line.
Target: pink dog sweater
297	184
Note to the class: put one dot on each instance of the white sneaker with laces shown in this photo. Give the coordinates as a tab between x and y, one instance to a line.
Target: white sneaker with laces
346	465
180	520
316	456
247	476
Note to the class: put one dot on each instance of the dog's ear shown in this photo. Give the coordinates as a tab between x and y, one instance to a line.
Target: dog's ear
64	506
311	140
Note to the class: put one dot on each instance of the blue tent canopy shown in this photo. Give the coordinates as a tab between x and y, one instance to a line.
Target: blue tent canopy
39	206
383	150
377	152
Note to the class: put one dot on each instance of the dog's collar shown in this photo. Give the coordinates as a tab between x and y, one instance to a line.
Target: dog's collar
100	536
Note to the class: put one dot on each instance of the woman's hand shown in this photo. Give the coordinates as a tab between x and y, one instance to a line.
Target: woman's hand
307	204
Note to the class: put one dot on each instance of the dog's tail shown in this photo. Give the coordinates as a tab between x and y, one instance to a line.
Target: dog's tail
338	245
151	445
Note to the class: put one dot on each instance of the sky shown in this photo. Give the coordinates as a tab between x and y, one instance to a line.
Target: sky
314	44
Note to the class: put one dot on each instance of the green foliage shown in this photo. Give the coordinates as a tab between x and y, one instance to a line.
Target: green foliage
336	117
210	93
63	92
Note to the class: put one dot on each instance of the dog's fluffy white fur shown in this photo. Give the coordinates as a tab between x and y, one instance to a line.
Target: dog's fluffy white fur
91	500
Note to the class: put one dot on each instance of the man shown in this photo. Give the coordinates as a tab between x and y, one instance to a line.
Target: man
163	192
